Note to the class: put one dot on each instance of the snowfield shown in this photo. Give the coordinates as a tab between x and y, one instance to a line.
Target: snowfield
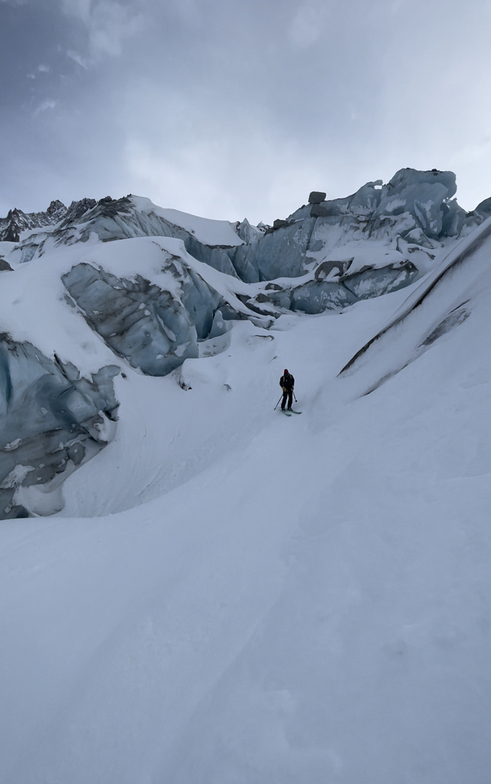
233	597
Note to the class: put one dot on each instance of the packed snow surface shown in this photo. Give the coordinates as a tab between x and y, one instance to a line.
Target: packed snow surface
210	232
231	595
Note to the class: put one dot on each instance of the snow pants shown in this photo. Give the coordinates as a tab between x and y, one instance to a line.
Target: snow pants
288	393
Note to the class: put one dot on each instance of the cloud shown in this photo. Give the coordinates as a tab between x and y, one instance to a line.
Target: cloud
189	12
77	8
268	181
308	24
212	161
108	24
229	108
45	106
77	58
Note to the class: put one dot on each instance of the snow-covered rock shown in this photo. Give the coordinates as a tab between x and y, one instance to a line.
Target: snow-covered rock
17	221
129	217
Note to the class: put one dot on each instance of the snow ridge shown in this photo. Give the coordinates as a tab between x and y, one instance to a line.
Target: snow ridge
227	596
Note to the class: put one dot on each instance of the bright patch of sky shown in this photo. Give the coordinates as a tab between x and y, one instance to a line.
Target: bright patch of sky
239	110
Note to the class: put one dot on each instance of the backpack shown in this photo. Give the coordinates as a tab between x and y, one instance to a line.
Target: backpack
287	381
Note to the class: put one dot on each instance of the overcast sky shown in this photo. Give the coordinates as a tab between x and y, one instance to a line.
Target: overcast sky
239	108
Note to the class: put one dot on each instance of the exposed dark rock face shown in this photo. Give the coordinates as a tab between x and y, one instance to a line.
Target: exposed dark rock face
17	221
56	209
77	209
12	232
279	223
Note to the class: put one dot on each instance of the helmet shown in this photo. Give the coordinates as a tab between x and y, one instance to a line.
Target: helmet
285	370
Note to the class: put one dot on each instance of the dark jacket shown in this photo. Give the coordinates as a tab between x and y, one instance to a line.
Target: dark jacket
287	381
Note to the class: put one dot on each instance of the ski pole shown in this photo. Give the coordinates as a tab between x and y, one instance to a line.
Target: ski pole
276	406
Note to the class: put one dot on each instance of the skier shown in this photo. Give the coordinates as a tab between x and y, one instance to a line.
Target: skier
287	382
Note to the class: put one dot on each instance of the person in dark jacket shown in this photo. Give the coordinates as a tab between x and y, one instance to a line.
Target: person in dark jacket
287	382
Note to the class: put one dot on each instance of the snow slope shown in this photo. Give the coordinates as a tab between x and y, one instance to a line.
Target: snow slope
234	596
210	232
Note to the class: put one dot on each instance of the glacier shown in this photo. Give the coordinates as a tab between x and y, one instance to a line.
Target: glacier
52	421
159	288
229	594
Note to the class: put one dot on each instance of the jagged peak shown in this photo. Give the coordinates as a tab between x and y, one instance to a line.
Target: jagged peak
18	221
55	206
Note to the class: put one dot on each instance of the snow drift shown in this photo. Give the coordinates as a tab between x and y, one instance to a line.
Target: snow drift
156	285
231	595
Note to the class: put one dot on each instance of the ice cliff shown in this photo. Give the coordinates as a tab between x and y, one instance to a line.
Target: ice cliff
154	284
52	420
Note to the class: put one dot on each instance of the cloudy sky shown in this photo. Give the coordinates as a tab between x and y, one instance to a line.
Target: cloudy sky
239	108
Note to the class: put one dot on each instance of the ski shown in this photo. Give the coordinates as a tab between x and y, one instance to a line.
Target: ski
294	412
286	413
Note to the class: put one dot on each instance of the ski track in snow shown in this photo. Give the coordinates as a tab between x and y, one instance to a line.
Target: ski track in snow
234	596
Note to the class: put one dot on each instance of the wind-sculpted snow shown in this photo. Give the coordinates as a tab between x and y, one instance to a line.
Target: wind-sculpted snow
52	421
154	301
130	217
234	596
410	200
414	213
442	302
231	595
